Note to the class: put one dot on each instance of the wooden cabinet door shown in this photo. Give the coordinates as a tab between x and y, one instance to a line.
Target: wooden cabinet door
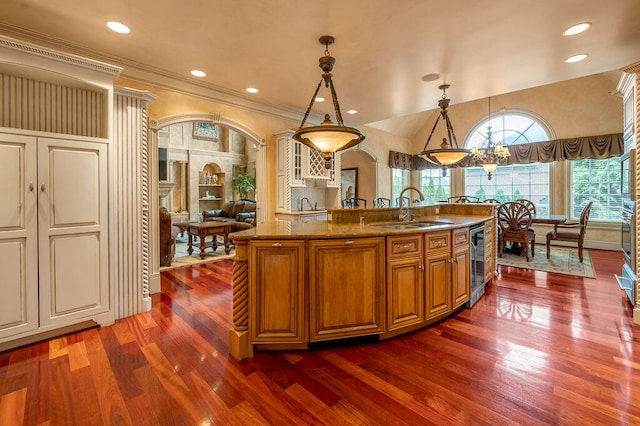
460	267
438	283
461	276
405	292
405	280
346	287
73	230
18	235
277	292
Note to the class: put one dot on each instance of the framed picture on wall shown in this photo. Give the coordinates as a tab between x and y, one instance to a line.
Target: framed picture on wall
207	131
349	183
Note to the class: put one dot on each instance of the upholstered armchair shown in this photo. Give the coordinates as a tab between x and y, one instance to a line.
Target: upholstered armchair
571	232
168	234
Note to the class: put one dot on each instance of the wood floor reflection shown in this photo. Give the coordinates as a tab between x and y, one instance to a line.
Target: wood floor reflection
538	348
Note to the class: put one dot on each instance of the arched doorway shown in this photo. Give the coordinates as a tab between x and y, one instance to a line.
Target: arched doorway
190	155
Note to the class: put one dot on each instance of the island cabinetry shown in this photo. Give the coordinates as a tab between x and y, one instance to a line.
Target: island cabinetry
346	287
490	249
405	281
277	292
448	268
461	267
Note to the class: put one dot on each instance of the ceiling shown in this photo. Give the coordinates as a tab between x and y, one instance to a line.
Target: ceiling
383	48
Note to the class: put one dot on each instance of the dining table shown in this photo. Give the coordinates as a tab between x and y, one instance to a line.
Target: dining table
549	219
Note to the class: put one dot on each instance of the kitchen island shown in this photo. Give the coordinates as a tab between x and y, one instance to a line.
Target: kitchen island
296	284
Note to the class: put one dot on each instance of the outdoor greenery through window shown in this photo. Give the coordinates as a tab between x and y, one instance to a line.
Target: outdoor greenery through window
599	181
399	181
434	186
513	182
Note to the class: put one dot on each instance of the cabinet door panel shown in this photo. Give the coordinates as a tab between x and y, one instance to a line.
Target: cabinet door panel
277	292
405	300
461	276
438	284
346	285
18	235
73	230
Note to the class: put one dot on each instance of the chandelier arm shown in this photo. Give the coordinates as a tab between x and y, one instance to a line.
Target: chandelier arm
336	105
431	134
313	99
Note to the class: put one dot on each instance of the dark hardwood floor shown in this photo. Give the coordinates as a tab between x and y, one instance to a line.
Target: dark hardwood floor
538	348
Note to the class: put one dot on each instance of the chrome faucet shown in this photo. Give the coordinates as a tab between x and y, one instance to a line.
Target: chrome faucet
302	204
405	216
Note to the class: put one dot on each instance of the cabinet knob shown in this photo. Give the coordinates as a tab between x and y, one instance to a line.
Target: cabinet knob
42	187
276	245
30	187
348	242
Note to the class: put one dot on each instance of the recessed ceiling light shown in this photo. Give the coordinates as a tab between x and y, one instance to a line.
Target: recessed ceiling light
198	73
576	58
352	111
319	99
252	90
577	29
118	27
433	76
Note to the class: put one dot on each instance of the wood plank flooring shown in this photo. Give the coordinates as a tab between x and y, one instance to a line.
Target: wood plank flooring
538	348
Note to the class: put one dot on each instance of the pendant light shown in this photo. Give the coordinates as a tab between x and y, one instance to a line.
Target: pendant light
449	154
327	137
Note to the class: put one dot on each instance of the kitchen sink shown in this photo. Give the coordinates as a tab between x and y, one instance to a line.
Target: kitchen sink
413	225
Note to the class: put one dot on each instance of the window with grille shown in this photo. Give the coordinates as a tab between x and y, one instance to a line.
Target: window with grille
434	186
399	181
599	181
509	183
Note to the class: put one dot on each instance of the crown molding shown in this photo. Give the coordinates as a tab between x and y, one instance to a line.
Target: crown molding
152	76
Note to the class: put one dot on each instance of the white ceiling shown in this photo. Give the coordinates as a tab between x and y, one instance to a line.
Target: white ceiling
383	47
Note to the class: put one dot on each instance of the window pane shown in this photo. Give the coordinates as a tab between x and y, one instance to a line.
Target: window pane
434	186
510	183
597	180
399	181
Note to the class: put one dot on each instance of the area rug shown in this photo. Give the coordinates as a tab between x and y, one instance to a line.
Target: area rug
563	260
182	258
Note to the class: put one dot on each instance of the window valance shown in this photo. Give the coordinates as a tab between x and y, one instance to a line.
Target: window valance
580	148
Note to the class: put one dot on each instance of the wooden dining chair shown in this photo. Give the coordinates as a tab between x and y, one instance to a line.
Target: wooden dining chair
532	231
514	220
571	232
381	202
464	199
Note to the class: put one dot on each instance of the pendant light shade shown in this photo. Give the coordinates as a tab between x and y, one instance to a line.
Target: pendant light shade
327	137
449	154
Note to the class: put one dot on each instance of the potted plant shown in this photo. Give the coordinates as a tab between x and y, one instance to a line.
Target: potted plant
243	184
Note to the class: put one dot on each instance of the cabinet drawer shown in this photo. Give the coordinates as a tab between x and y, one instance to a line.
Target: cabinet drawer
438	240
404	245
461	237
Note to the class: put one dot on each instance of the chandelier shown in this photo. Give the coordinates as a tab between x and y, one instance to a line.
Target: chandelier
449	154
490	153
327	137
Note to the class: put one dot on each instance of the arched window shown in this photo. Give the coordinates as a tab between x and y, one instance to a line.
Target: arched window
512	182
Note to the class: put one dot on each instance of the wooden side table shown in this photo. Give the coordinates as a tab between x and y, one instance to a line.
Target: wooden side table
209	229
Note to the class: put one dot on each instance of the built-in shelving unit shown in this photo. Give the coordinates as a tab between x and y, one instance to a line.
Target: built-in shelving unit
211	187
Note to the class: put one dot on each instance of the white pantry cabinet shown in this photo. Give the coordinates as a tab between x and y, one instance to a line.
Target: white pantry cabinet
54	258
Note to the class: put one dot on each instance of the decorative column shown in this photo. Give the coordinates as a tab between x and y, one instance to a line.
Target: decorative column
132	228
239	340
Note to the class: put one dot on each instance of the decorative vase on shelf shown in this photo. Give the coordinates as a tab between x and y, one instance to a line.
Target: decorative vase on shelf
215	179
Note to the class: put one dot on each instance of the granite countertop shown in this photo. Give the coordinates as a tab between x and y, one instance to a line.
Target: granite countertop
302	212
324	229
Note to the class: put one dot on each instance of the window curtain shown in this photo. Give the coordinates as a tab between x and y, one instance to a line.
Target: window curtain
585	147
